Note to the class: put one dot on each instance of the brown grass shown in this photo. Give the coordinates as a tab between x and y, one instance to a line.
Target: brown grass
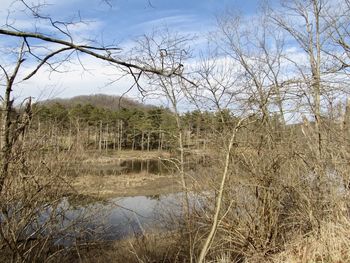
152	247
332	244
125	185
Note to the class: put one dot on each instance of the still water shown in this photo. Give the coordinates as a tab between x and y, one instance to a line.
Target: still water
118	218
150	166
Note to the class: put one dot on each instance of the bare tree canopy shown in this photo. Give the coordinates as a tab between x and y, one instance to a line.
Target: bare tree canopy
249	140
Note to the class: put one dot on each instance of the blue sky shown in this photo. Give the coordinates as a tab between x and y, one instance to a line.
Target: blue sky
126	19
121	22
130	18
195	16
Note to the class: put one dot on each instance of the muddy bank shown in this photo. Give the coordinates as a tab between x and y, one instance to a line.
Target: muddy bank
126	185
127	173
95	157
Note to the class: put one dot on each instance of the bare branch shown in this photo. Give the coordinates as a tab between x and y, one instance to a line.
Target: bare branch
44	61
88	50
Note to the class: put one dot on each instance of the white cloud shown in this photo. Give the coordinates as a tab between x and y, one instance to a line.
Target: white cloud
74	81
168	20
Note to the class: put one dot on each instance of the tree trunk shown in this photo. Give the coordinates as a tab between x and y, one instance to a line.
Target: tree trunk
121	136
148	140
142	139
316	75
100	138
218	204
133	141
107	139
5	136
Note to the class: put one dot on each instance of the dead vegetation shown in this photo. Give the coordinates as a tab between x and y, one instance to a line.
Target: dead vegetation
275	184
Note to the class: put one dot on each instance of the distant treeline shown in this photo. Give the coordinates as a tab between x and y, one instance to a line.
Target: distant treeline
136	127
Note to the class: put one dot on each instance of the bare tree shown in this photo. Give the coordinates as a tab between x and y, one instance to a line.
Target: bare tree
257	52
166	50
65	48
31	201
219	199
306	26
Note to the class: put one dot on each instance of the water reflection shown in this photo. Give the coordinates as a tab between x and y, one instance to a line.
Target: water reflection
151	166
121	217
114	219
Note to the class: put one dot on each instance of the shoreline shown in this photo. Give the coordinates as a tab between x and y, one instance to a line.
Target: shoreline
126	185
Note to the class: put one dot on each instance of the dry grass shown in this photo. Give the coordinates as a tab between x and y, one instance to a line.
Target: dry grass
152	247
95	157
125	185
332	244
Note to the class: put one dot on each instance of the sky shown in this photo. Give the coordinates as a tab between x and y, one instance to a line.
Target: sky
116	21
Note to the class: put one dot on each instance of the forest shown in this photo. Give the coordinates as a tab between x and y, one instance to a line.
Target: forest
136	127
248	159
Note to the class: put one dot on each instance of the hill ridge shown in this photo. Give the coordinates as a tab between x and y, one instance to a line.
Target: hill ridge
111	102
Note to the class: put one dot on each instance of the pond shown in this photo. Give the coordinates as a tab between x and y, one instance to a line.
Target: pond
157	166
149	166
130	166
114	219
118	218
121	217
